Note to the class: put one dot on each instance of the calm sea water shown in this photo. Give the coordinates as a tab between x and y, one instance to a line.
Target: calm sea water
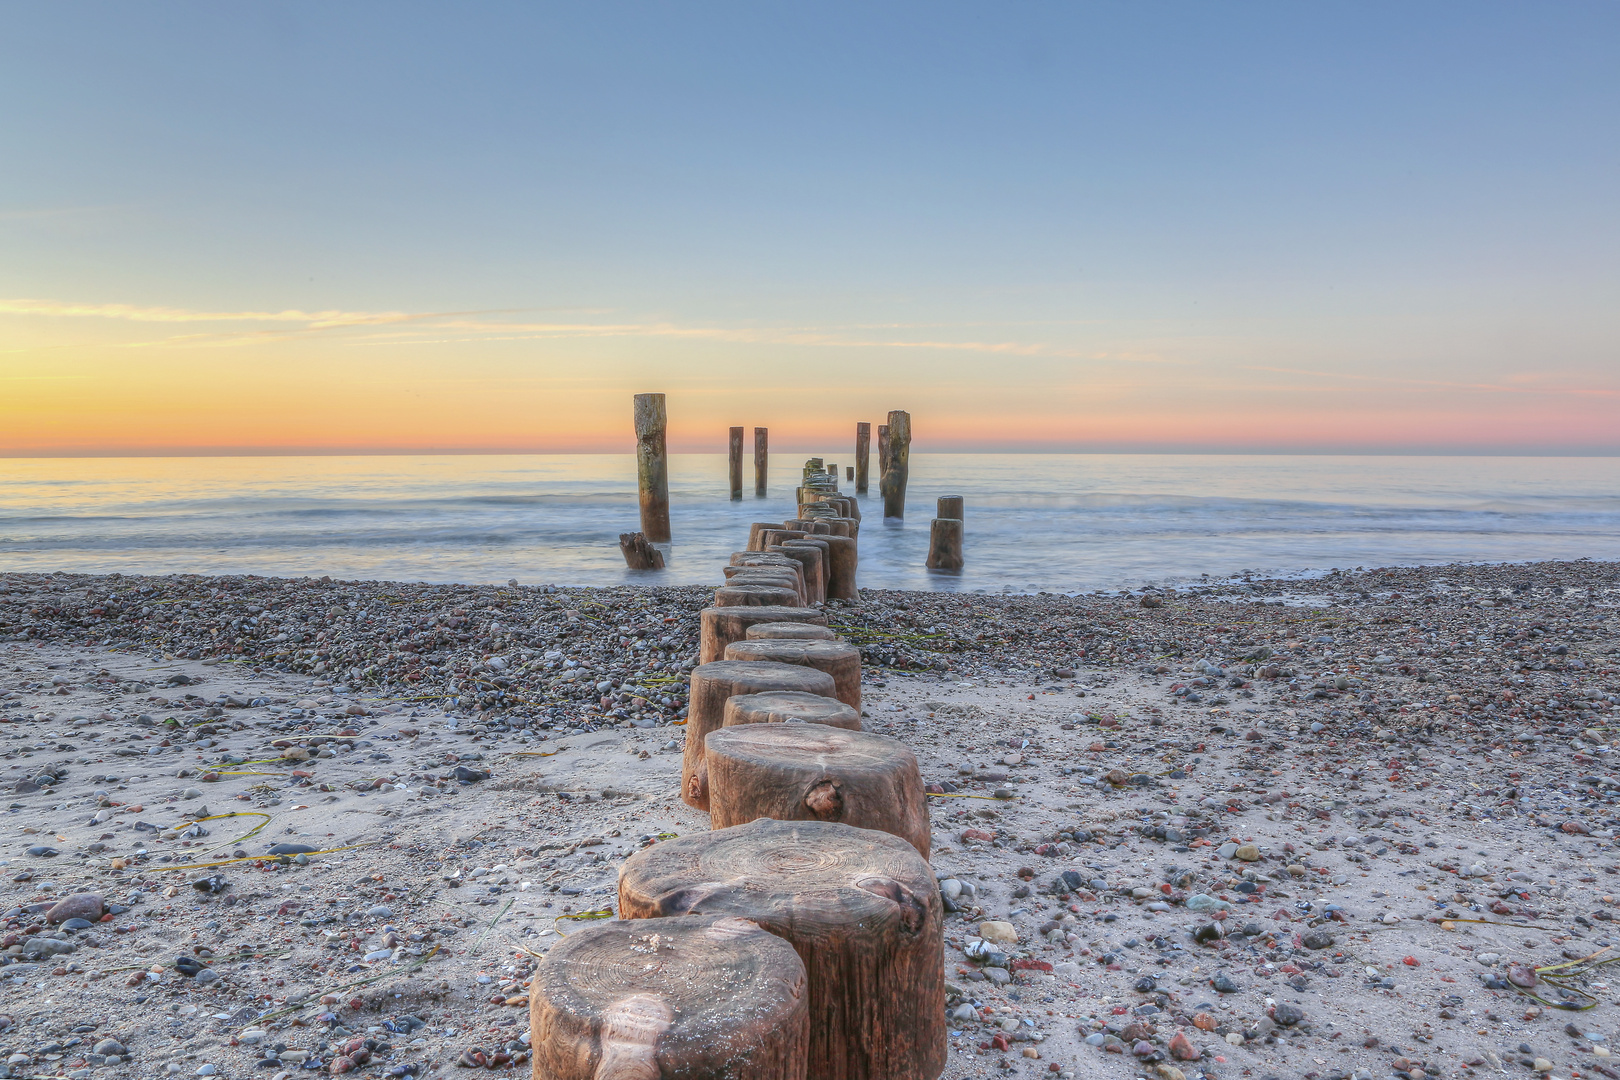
1062	522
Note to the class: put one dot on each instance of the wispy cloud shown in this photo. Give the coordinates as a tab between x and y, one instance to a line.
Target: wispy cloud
1522	382
443	326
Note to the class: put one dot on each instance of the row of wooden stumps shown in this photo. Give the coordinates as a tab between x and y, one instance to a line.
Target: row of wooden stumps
803	936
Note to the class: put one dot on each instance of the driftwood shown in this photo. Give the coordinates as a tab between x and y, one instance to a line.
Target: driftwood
652	466
711	686
720	626
695	996
838	659
789	707
638	553
861	907
811	772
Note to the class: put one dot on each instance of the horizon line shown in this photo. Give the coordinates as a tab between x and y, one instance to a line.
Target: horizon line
1099	449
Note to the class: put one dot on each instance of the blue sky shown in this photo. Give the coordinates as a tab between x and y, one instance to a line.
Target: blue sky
1133	224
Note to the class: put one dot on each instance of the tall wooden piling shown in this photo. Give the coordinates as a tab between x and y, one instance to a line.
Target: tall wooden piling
897	469
883	453
736	463
652	466
863	449
761	459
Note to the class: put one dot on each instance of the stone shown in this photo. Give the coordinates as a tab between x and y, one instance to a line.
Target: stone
78	906
1287	1015
206	976
109	1047
1202	903
187	965
1182	1049
1227	850
1224	984
1002	933
1521	975
1248	852
1318	939
380	911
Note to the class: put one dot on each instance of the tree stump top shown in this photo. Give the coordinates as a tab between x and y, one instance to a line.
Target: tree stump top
793	651
776	631
790	707
758	677
694	996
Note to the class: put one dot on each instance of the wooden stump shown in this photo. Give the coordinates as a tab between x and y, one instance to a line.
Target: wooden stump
720	626
897	470
863	443
652	466
838	659
861	907
845	564
735	463
789	707
950	506
778	580
762	439
822	544
638	553
811	772
792	631
945	544
815	586
755	596
769	562
697	996
712	685
754	530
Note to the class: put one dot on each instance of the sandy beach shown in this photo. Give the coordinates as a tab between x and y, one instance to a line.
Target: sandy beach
1318	828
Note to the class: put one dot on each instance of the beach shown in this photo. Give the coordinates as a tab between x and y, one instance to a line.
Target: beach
1320	826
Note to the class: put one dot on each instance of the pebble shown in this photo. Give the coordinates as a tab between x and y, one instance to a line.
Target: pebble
1002	933
77	906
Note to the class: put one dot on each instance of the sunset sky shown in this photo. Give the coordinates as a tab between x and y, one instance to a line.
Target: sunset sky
1137	225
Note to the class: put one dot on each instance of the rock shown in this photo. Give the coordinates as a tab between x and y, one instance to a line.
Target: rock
1182	1049
187	965
1521	975
107	1047
1248	852
1318	939
469	775
1151	601
999	976
291	849
43	852
1287	1015
1002	933
1224	984
207	975
1201	903
380	911
1206	933
964	1013
1541	1065
78	906
1227	850
1166	1071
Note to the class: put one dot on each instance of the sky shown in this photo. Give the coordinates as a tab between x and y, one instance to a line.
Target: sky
379	227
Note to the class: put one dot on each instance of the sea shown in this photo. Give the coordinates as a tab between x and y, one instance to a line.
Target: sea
1034	522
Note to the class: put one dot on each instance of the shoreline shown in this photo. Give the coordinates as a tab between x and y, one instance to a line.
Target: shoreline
1254	814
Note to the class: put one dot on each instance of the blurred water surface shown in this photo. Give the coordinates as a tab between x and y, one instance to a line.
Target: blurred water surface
1060	522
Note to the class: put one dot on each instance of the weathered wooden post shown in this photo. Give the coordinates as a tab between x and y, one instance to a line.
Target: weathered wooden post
863	450
883	452
652	467
736	463
849	472
898	468
945	544
950	506
761	459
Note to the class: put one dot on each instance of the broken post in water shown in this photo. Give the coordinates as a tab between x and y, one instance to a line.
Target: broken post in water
652	467
945	544
950	506
898	468
863	449
761	459
736	463
849	472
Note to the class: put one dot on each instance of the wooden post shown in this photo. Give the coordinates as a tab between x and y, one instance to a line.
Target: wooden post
883	452
720	626
863	450
788	707
762	438
638	554
712	684
950	506
898	468
945	544
736	463
862	909
698	995
838	659
652	467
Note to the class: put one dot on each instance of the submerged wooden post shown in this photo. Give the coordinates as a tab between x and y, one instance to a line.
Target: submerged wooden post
863	450
950	506
652	467
945	544
898	468
638	553
736	463
849	472
761	459
883	452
